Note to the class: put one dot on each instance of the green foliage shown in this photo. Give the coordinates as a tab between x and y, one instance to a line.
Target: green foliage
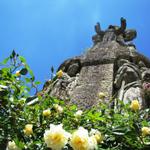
121	128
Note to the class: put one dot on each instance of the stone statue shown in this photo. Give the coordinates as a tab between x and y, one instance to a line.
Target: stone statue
120	34
119	31
112	66
128	81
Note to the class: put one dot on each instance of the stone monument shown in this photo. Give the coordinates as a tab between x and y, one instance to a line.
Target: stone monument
112	66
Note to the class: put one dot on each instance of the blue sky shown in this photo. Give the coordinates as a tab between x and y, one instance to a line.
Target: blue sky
46	32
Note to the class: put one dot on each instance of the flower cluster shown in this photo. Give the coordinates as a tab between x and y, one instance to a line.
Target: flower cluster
25	126
56	138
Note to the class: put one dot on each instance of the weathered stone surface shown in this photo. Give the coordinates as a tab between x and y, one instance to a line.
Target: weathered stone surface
92	80
99	71
61	87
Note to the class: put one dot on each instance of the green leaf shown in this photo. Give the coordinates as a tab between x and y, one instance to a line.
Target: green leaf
52	69
1	71
23	71
56	100
5	70
27	80
22	59
30	71
73	107
101	119
13	54
37	82
4	62
33	78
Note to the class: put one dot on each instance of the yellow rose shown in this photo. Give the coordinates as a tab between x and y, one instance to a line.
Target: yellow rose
80	140
135	105
12	146
46	112
56	138
145	131
59	74
18	73
28	129
101	95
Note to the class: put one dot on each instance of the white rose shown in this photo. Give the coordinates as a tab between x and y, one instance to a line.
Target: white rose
145	131
56	138
101	95
98	136
92	142
12	146
58	108
78	113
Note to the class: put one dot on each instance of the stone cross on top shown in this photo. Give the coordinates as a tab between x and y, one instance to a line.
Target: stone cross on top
119	34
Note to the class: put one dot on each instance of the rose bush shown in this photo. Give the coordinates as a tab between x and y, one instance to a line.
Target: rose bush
42	122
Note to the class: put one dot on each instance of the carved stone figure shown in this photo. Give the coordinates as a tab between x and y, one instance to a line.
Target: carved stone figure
97	71
128	82
119	34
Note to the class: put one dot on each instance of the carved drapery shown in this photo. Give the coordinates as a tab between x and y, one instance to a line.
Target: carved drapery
128	82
